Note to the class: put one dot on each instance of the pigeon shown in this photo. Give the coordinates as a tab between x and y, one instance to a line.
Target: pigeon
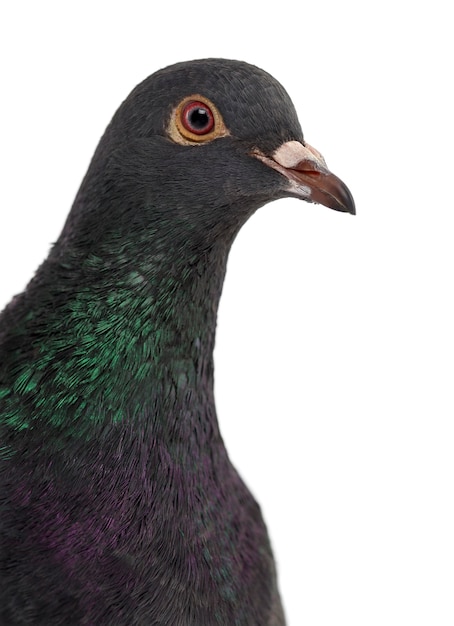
119	504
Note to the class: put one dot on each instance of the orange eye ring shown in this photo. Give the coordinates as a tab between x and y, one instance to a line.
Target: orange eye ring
196	120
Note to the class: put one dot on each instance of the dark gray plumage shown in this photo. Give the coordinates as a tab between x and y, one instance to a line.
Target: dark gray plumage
118	502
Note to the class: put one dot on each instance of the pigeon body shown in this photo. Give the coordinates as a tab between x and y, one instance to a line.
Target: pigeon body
118	502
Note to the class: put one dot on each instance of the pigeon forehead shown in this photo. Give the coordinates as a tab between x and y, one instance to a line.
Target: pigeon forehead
253	104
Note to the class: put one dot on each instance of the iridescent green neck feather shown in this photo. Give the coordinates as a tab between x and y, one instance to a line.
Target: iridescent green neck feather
112	334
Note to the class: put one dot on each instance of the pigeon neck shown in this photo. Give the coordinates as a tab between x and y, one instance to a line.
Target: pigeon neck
126	342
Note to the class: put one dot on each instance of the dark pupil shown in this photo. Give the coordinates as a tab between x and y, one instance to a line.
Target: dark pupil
198	119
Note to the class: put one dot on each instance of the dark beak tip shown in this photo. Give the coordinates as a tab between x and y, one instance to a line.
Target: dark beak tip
351	208
341	200
345	199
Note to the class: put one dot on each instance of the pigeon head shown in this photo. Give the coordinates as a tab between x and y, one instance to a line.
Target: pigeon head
200	145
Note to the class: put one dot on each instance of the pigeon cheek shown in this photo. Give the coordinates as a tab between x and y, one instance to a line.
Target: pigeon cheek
309	178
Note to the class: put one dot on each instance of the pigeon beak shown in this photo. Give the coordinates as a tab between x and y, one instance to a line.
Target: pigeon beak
309	178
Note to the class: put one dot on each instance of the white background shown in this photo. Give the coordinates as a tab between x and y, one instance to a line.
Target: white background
335	346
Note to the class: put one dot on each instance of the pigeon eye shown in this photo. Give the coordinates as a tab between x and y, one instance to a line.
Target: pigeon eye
196	120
